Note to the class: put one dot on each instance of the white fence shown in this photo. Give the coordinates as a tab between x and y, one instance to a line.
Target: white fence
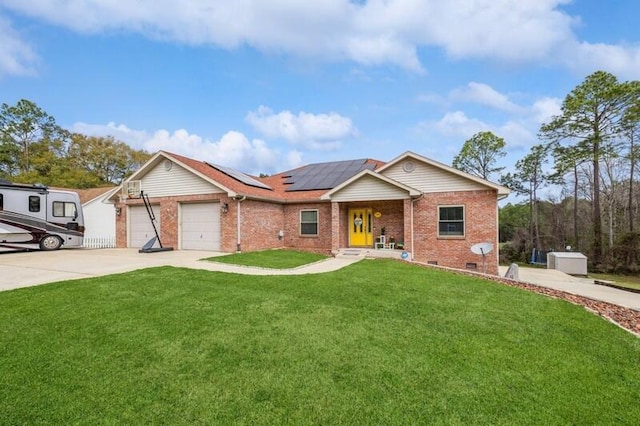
99	242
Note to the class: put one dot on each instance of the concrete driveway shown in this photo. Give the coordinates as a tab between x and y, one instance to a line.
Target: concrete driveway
39	267
552	278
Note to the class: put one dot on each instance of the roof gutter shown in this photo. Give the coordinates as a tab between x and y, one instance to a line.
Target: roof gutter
277	200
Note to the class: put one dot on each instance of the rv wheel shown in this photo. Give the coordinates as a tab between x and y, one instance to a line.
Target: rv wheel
50	242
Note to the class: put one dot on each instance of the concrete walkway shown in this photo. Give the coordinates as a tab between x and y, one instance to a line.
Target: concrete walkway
557	280
39	267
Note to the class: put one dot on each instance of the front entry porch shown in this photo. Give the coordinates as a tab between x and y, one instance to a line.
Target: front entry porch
374	226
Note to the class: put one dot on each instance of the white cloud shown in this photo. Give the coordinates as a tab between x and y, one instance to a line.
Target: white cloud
513	31
484	94
234	149
517	134
294	159
315	131
457	124
523	123
16	56
544	109
623	61
134	138
371	33
381	49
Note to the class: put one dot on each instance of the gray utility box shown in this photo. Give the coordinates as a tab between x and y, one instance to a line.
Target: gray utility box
572	263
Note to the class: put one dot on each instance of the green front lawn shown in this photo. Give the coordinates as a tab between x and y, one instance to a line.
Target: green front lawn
378	342
273	259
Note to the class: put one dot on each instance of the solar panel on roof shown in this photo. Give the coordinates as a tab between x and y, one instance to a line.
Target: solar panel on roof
327	182
239	176
324	175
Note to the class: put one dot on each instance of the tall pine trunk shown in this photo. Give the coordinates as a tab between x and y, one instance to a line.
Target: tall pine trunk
576	234
632	159
597	214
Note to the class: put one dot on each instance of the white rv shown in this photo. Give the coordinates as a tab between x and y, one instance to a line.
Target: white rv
34	216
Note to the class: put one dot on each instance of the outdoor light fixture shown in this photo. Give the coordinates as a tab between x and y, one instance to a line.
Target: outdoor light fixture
118	211
224	207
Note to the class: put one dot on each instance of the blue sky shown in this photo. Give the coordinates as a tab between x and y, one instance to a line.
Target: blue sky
264	86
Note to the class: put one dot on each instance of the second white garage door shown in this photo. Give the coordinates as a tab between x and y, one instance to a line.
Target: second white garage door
200	226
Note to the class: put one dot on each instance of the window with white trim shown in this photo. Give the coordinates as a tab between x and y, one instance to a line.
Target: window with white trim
308	222
451	221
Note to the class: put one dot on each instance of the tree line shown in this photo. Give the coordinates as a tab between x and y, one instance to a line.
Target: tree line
587	158
34	148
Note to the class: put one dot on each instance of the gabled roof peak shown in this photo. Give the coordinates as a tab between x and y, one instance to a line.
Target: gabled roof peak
502	190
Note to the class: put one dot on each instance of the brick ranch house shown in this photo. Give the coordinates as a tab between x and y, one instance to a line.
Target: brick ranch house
431	211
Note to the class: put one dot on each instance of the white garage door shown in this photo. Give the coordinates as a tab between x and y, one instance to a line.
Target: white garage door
140	228
200	226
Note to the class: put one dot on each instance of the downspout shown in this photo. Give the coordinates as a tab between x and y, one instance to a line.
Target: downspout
413	240
239	200
497	251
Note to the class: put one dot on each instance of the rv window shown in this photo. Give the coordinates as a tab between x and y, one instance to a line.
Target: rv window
1	203
62	209
34	203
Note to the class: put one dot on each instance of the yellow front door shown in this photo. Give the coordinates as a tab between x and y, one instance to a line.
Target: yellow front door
360	234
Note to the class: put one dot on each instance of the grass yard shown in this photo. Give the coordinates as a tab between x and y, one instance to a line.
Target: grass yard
273	259
378	342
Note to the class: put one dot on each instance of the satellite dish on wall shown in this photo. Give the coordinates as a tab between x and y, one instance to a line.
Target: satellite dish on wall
482	248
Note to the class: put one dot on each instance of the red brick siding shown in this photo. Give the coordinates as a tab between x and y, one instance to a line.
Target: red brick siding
121	225
335	227
480	226
260	223
408	243
392	219
292	237
343	226
228	226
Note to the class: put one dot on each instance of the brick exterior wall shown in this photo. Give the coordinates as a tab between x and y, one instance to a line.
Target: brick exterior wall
262	221
455	252
320	243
